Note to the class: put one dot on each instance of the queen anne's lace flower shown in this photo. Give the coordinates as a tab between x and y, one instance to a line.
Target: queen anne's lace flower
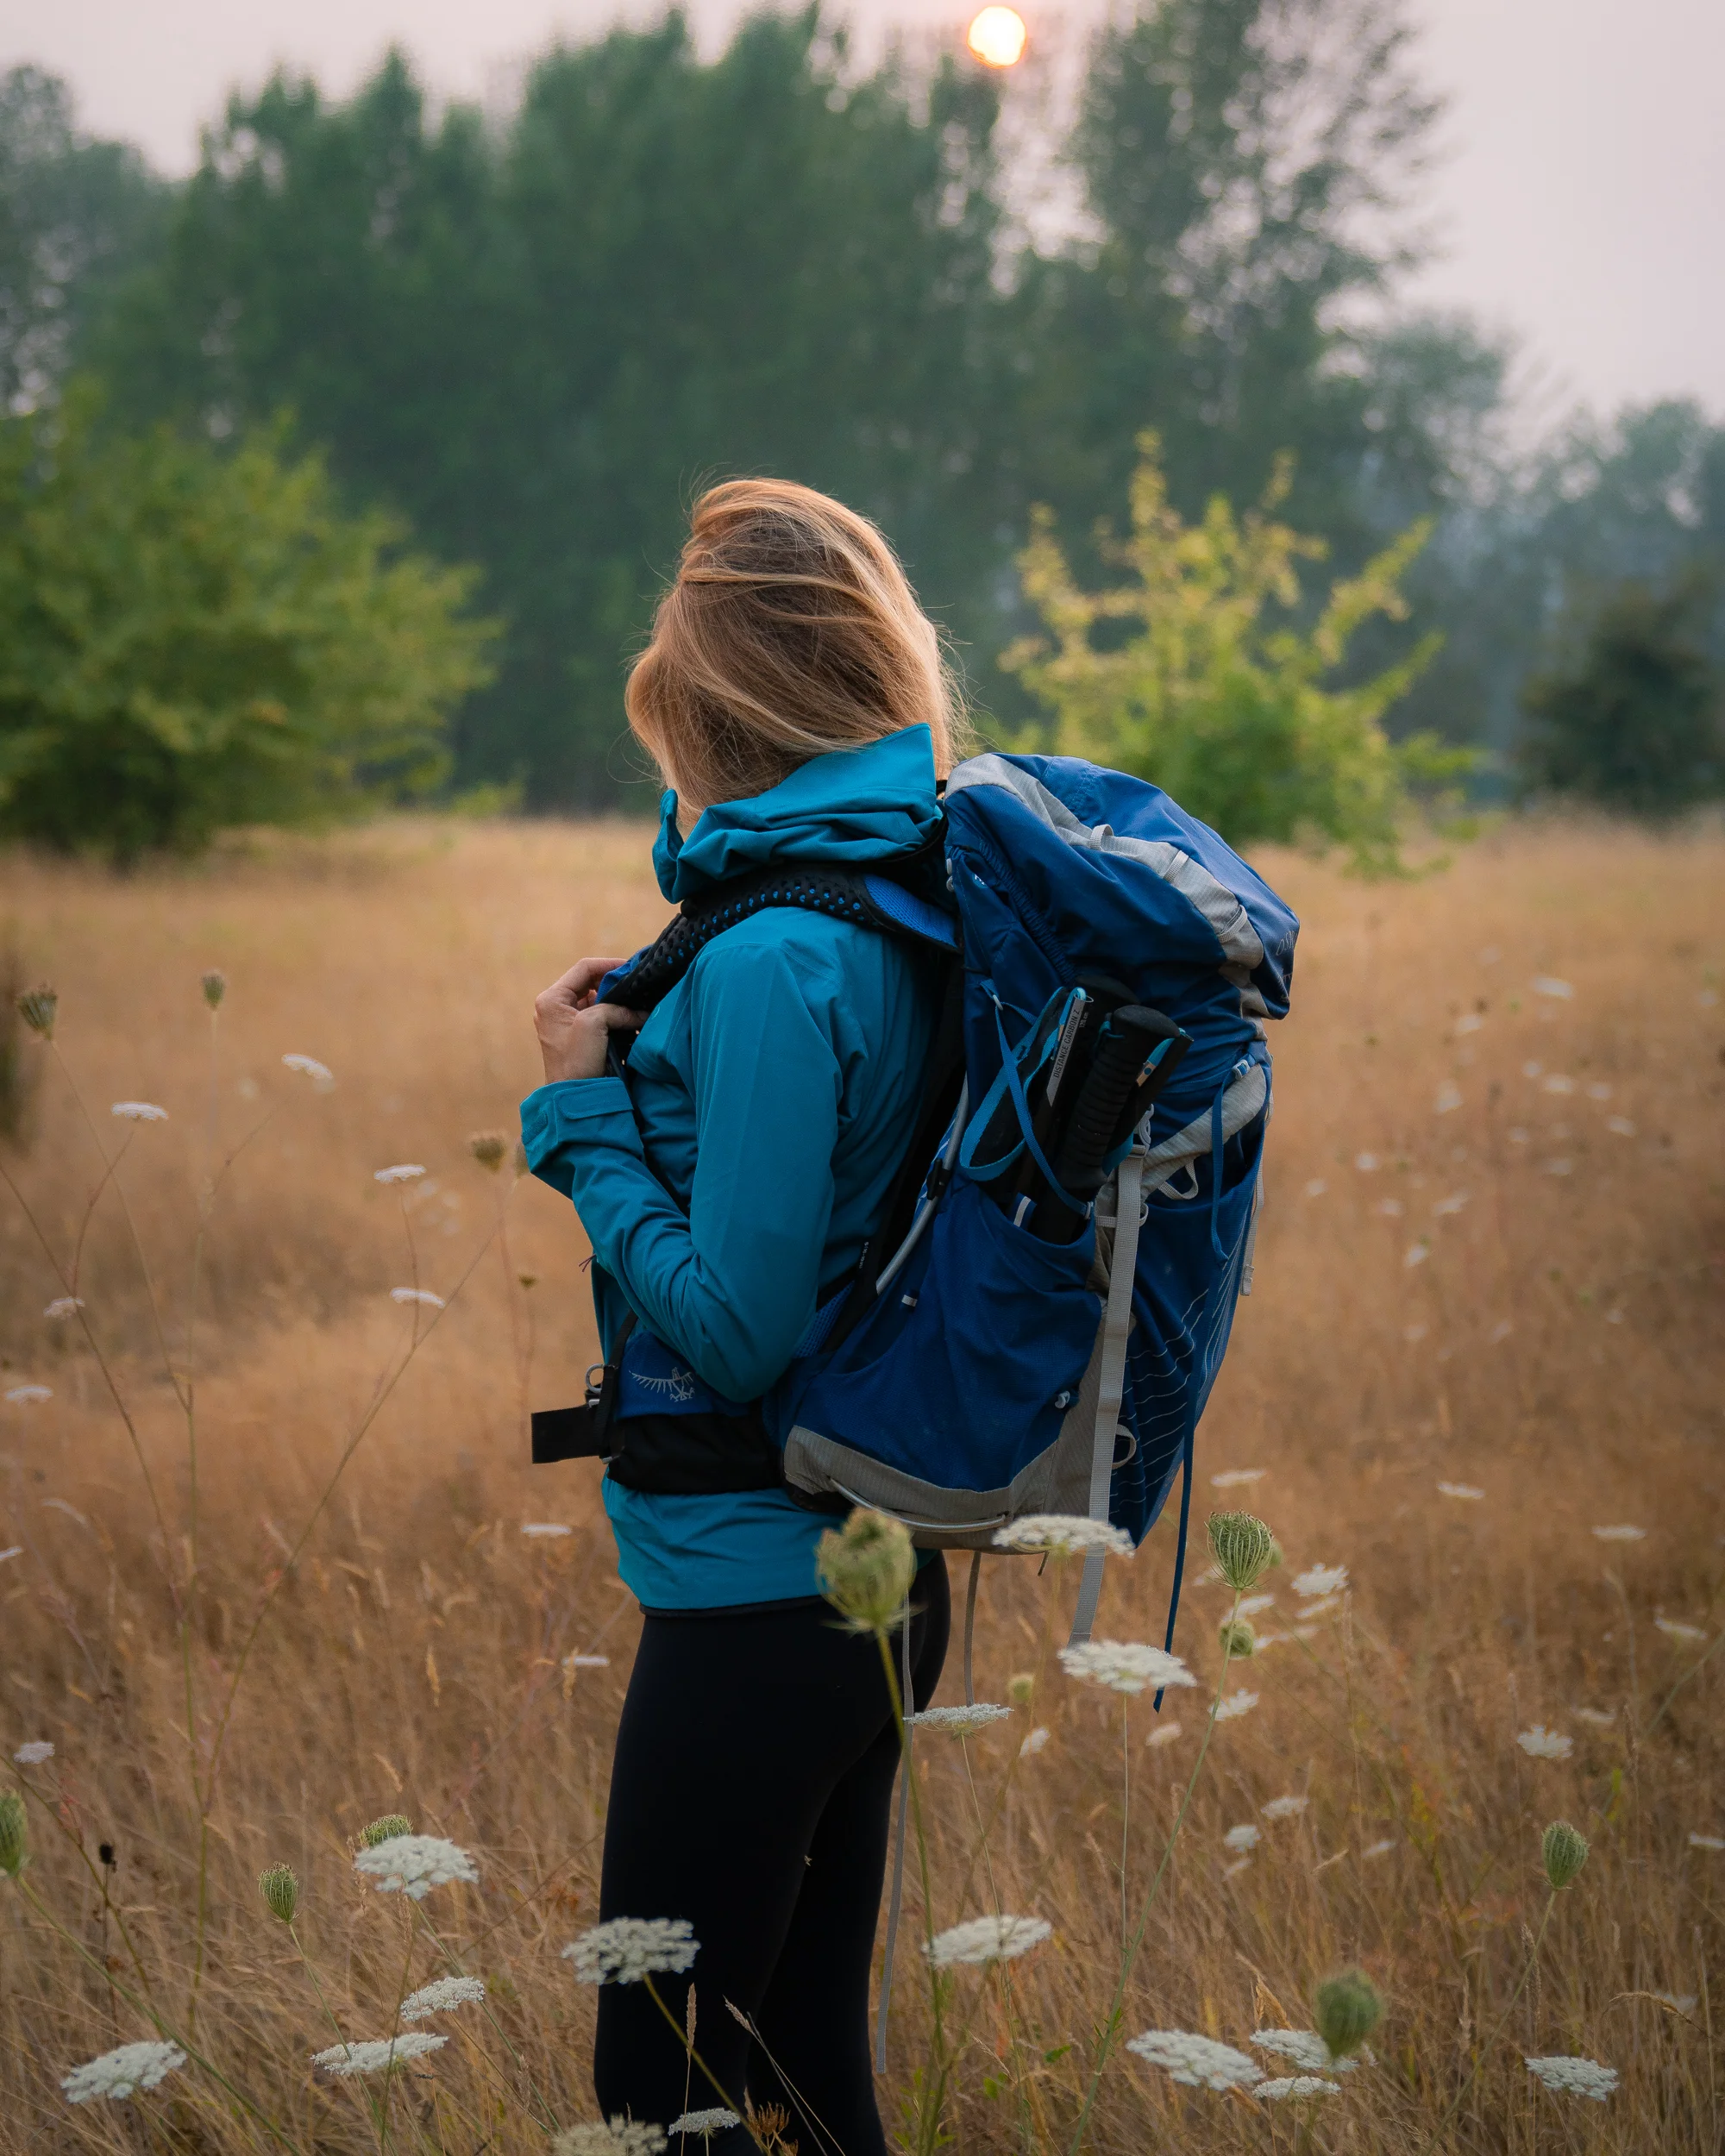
1285	1807
63	1306
1235	1705
1575	2077
1673	1630
34	1753
1622	1532
1541	1743
1459	1489
987	1939
958	1722
138	1112
1304	2049
1596	1715
1032	1743
716	2120
122	2072
441	1997
29	1396
1320	1579
619	2137
628	1948
1167	1734
321	1076
413	1864
405	1171
1707	1841
1295	2089
1240	1838
1195	2061
417	1294
543	1528
1125	1666
378	2054
1064	1533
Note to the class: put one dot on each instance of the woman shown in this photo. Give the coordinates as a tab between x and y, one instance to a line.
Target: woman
793	697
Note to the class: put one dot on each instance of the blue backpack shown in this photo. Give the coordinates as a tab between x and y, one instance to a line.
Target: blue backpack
973	1373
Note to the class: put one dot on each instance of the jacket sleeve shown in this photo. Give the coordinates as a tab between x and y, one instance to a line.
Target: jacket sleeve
733	1285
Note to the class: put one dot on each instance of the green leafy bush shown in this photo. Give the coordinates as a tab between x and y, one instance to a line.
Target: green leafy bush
1637	722
193	639
1176	675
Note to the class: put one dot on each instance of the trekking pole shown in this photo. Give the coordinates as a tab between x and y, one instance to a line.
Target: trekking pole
1137	1052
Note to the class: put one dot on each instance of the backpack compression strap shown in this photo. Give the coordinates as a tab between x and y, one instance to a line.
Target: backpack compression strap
904	896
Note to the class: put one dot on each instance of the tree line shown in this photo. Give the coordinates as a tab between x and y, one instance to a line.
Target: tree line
531	336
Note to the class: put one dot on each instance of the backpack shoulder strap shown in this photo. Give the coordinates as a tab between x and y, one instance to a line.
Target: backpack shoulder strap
905	896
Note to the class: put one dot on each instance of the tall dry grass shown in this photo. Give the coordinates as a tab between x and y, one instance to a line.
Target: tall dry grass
1555	1345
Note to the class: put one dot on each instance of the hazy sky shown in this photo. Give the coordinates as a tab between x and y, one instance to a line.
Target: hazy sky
1582	205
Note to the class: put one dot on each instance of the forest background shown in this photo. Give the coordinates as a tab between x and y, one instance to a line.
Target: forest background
531	332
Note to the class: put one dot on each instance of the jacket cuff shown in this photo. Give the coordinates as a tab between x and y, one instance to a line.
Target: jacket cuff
577	1111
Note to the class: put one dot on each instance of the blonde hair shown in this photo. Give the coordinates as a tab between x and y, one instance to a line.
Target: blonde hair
791	631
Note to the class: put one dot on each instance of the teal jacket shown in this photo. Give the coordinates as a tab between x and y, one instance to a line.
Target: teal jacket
731	1179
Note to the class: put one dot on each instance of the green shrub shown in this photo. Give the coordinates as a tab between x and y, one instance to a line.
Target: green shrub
1637	722
193	639
1177	676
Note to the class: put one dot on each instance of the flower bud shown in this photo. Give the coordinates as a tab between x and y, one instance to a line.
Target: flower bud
215	987
1243	1547
865	1568
280	1890
1020	1686
1237	1637
1349	2008
1565	1852
13	1852
36	1006
490	1149
386	1829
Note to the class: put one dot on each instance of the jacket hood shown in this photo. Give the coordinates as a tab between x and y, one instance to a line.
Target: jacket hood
853	804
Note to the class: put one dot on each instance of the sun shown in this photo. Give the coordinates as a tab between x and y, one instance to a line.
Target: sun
997	37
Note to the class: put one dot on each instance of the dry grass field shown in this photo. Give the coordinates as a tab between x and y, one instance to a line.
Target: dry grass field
1491	1259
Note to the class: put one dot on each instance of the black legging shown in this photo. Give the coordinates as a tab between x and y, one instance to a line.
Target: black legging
750	1794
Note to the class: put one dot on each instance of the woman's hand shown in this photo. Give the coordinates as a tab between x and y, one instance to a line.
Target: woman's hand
574	1027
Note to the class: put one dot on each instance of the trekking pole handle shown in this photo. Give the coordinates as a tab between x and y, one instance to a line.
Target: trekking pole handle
1137	1044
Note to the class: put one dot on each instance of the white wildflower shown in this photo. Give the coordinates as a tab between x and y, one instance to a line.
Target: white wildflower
1166	1735
1366	1163
34	1753
1541	1743
618	2137
1544	984
1673	1630
17	1550
323	1078
1266	1640
1620	1126
1237	1477
1316	1188
987	1939
1468	1491
1377	1849
1125	1666
1235	1705
1448	1098
63	1306
406	1171
1557	1082
1195	2061
377	2054
29	1396
1240	1838
1064	1533
958	1722
413	1864
543	1527
1304	2049
1623	1532
441	1996
1032	1743
1231	1870
587	1662
624	1949
1320	1580
124	2072
1707	1841
138	1112
716	2120
1446	1208
1285	1807
417	1294
1575	2077
1255	1604
1295	2088
1416	1254
1598	1715
1469	1022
